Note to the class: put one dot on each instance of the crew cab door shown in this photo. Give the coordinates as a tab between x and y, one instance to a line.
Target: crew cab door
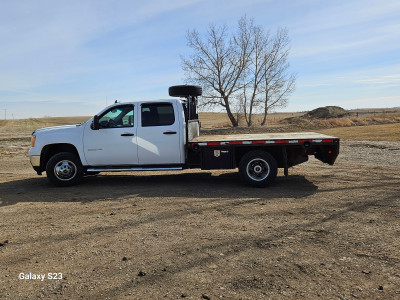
115	143
159	135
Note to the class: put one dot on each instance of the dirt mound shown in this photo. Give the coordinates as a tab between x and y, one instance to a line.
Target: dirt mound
327	112
321	117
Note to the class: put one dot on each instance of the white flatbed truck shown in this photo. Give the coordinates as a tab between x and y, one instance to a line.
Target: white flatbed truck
164	135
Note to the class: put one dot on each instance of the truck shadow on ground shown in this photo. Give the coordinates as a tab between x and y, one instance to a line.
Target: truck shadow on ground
108	187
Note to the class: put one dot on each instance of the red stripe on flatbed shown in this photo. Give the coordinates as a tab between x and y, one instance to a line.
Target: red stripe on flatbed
262	142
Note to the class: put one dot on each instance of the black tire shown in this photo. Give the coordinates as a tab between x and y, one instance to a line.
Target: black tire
258	168
185	90
64	169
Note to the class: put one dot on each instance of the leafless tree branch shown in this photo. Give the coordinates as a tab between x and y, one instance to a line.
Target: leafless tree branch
242	73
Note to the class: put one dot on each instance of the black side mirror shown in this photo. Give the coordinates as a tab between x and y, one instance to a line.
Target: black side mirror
95	124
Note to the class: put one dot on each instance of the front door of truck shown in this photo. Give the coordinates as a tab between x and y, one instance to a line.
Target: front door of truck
115	143
159	134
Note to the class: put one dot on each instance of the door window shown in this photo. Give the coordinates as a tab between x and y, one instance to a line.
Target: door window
157	114
117	117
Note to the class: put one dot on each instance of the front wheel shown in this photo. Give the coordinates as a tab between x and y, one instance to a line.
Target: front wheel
64	169
258	168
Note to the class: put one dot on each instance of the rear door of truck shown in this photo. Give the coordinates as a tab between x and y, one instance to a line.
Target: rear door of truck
159	134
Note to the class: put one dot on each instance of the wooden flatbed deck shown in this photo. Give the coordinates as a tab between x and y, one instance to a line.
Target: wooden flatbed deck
262	136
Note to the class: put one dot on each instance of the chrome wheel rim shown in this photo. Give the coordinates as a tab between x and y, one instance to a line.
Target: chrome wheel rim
65	170
258	169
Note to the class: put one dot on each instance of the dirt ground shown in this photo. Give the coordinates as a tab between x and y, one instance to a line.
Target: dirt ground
325	231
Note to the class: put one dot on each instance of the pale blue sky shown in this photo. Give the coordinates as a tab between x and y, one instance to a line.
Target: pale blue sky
64	58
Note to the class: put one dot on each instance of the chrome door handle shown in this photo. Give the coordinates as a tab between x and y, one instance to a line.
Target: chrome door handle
127	134
170	132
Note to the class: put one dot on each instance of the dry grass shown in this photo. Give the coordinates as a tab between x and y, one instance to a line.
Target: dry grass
378	127
308	123
381	127
220	120
211	120
208	120
26	126
382	132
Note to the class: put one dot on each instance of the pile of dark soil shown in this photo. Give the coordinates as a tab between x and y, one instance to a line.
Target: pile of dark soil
327	112
322	117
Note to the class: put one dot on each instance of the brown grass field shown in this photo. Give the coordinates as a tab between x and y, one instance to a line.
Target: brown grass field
221	120
372	125
382	132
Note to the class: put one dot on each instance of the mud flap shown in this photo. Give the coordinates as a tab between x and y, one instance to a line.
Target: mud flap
328	154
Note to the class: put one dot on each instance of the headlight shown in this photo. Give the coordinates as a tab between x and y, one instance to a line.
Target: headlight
33	140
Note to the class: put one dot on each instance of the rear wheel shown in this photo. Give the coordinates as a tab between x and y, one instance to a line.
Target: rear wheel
258	168
185	90
64	169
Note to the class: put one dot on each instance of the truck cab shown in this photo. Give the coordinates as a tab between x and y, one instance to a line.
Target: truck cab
119	138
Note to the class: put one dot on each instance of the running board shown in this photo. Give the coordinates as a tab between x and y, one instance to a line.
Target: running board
132	169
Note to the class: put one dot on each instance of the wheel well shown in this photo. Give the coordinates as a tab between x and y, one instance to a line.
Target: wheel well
292	153
49	150
240	151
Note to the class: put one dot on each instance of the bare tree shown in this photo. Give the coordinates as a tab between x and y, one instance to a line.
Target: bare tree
278	83
217	64
255	71
234	71
266	80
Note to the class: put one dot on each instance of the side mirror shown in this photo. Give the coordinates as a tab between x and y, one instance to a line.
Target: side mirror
95	124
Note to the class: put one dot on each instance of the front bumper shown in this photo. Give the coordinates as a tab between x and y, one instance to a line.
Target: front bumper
35	160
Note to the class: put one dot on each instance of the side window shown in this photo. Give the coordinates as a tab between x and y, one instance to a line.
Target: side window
117	117
157	114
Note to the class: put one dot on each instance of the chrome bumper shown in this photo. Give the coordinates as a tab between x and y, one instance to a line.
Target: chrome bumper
35	161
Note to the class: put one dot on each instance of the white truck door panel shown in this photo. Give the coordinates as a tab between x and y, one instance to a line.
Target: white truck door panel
115	143
159	134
